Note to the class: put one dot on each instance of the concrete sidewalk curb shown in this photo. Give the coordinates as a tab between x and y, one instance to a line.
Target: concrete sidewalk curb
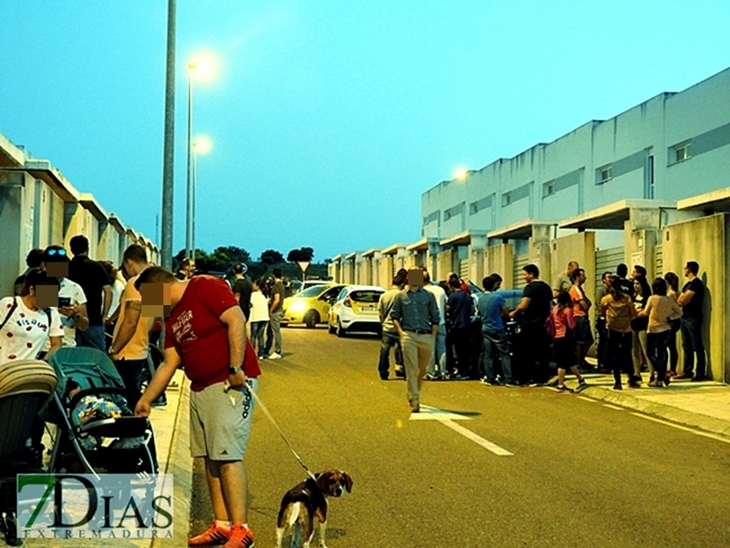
625	398
180	465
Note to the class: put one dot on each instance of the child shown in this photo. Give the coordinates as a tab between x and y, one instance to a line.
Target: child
564	345
259	316
90	408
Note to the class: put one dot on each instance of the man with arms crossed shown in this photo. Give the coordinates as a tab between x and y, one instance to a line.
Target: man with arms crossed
206	334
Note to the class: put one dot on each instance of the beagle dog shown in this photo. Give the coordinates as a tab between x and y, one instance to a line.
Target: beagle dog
308	500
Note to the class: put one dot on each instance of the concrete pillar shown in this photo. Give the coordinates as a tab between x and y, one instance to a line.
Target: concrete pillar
705	241
500	259
15	227
476	259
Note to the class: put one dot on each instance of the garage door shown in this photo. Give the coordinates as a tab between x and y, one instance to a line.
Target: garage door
520	262
606	261
658	262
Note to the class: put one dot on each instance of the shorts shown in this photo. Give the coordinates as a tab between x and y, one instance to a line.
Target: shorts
564	352
220	421
582	333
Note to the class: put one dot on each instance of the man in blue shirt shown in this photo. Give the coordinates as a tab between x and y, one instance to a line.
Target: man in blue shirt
492	307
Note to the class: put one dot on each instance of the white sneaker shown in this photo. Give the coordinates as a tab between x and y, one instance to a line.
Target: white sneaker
274	356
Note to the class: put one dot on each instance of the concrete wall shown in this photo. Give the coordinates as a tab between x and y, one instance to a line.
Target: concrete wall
705	240
500	259
14	228
579	247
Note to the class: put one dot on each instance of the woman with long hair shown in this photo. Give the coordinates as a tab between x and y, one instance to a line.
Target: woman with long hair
641	295
618	309
564	344
659	308
676	323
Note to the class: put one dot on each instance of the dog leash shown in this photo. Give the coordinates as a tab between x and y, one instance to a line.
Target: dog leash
281	433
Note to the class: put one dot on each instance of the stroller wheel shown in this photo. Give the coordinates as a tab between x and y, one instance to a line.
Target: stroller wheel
10	526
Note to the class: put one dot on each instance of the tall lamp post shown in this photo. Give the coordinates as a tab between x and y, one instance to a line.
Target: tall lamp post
201	145
199	67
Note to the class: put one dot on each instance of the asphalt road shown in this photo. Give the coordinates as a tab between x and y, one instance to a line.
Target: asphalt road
579	474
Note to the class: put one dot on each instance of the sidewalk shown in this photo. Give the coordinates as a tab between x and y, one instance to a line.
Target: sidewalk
704	405
171	427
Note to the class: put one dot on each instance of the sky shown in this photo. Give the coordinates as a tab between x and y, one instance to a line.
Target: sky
328	119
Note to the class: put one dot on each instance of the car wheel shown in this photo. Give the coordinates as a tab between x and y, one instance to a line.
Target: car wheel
340	330
311	319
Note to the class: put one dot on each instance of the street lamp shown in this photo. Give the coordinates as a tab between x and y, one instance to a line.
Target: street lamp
201	145
199	67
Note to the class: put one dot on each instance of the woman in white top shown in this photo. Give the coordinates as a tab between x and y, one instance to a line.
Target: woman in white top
31	319
660	309
259	317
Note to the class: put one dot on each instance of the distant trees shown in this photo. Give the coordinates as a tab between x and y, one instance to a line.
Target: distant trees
271	257
305	254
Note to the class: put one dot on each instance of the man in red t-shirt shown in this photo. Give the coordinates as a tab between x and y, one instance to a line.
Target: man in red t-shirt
205	332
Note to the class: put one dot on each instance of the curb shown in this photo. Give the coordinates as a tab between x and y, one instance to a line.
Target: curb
180	465
680	416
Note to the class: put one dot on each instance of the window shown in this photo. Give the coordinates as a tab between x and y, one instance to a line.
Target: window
506	199
473	209
603	175
447	215
679	153
548	189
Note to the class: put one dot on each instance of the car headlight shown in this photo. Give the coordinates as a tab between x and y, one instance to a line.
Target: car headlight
298	306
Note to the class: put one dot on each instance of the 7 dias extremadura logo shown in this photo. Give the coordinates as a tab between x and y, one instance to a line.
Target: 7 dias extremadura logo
76	506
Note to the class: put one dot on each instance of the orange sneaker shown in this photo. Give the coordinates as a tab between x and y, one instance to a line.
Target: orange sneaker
241	537
214	536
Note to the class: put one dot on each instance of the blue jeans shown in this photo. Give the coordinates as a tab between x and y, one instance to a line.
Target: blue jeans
439	365
691	344
497	341
389	341
93	337
657	344
258	329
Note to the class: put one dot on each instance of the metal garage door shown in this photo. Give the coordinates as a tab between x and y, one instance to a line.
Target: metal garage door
520	262
464	269
606	261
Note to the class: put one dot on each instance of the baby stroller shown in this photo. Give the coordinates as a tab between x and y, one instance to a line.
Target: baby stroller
25	386
120	444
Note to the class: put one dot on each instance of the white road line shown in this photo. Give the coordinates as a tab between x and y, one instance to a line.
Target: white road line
615	408
488	445
703	434
587	399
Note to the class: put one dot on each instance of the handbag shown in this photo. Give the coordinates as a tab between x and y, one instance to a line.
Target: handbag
640	323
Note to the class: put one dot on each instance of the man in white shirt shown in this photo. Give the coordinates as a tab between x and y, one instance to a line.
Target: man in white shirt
71	298
437	370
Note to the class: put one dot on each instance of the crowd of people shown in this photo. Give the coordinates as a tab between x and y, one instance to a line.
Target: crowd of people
445	331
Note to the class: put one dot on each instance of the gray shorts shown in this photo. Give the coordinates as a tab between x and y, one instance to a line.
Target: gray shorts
583	333
220	421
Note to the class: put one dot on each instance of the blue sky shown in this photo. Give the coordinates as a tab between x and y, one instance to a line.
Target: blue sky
328	118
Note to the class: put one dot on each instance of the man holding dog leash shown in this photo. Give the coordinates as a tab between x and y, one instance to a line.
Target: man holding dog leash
205	332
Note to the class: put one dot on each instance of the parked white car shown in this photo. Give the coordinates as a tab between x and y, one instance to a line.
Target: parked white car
356	309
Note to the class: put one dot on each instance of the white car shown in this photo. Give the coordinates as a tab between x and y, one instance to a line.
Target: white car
356	309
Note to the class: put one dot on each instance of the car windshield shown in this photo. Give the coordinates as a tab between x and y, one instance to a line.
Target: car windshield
365	296
313	291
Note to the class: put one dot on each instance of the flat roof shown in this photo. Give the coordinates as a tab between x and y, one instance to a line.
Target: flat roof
350	256
521	230
462	238
371	252
612	216
422	244
717	200
43	170
337	257
393	249
10	155
116	223
89	202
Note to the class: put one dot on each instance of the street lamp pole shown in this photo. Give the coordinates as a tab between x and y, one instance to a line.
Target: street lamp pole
195	194
189	250
169	140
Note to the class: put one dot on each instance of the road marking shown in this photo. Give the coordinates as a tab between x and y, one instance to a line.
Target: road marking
447	418
615	408
587	399
703	434
488	445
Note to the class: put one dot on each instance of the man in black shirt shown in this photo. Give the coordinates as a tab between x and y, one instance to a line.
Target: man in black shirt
94	280
691	300
626	286
242	289
533	310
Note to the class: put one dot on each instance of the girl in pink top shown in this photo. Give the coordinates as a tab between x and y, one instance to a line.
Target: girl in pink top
564	341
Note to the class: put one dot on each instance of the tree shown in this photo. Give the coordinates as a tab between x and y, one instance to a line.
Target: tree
271	257
303	254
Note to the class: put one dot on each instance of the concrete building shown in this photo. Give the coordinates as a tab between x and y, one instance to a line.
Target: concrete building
649	186
40	207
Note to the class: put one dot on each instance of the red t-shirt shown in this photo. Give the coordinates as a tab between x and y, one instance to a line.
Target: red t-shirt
197	333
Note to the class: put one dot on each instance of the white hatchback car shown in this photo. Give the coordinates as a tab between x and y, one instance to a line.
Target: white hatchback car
356	309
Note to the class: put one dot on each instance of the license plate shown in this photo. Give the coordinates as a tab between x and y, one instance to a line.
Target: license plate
369	309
